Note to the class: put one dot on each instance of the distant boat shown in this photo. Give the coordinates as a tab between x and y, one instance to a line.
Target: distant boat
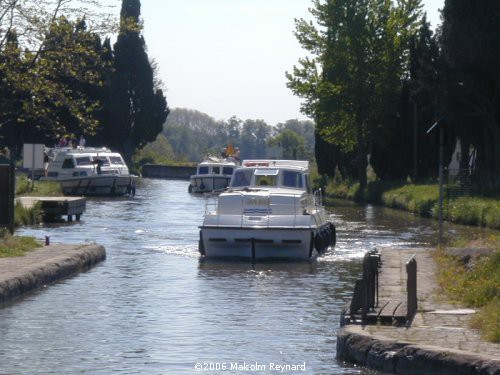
214	173
89	171
268	211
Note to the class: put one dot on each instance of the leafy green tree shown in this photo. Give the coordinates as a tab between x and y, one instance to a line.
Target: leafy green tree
352	84
136	109
54	93
293	145
303	128
48	65
470	37
254	135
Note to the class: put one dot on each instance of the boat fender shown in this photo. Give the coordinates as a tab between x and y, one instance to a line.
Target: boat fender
325	240
202	186
201	246
333	235
311	245
318	243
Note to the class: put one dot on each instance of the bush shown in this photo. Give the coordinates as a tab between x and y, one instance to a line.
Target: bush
27	215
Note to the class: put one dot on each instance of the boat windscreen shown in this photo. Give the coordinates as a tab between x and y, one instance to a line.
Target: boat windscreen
104	159
116	160
266	172
83	160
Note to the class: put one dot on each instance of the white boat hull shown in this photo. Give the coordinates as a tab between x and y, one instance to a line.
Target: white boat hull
206	184
264	243
101	185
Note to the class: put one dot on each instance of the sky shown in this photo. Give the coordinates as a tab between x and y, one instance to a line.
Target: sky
229	57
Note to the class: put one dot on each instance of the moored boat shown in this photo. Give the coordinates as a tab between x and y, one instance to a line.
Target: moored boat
213	174
268	211
90	171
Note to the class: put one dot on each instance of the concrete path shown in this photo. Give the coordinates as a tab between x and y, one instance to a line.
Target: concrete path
45	265
439	339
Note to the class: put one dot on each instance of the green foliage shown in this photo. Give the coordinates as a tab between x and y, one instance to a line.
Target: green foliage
487	321
476	285
27	215
25	186
158	152
418	199
135	109
16	246
193	134
469	45
51	91
352	84
475	211
293	145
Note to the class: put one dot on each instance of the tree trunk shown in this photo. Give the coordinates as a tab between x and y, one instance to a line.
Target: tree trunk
361	161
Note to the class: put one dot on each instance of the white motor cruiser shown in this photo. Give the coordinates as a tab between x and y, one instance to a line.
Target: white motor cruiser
268	211
90	171
212	175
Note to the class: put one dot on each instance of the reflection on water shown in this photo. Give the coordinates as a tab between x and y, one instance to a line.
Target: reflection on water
154	307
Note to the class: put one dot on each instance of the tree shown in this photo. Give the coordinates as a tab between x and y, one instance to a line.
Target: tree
254	135
136	109
352	84
49	64
293	145
470	37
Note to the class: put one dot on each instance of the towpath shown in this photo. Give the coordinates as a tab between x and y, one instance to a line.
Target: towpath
439	339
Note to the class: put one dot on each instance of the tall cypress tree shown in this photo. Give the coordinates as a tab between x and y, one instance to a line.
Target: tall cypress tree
136	109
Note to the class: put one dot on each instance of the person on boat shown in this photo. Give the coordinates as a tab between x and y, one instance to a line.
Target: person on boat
81	141
98	163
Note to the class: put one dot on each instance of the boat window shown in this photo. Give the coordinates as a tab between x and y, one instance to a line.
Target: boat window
203	170
215	170
116	160
308	184
227	170
265	180
241	178
104	159
68	164
266	172
292	179
83	160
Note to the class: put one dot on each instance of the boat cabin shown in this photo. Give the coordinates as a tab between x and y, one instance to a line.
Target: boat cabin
207	168
286	174
85	162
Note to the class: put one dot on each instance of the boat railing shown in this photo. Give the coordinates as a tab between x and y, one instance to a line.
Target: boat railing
318	197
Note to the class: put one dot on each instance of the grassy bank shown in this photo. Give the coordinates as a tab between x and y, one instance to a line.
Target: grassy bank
16	246
423	200
475	283
25	187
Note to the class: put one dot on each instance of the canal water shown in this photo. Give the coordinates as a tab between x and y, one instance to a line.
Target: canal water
153	307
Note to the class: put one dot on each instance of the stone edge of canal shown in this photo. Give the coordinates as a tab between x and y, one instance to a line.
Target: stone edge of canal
45	265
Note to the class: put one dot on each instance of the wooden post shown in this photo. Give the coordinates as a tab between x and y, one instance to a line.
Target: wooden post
7	193
411	287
